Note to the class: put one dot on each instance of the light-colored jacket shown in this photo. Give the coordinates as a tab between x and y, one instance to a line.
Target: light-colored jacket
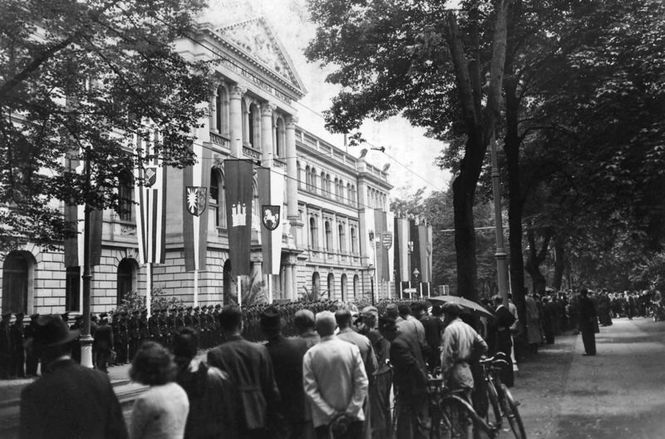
460	342
335	380
160	413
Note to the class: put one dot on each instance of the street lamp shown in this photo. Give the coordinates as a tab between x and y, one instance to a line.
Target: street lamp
416	274
410	246
500	255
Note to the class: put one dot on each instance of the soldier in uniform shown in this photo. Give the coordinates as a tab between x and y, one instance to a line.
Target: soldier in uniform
133	334
216	333
123	338
188	318
153	326
31	358
5	346
18	355
180	320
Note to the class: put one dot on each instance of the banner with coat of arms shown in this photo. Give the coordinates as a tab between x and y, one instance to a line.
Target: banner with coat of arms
238	176
195	215
271	199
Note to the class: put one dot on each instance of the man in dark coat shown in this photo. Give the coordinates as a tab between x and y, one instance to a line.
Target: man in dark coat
250	369
31	358
18	357
68	401
410	380
588	322
503	320
287	355
103	343
6	348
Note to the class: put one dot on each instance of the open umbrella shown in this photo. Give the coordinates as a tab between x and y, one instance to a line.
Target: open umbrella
466	304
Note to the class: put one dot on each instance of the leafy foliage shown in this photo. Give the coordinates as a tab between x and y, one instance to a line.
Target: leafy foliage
81	80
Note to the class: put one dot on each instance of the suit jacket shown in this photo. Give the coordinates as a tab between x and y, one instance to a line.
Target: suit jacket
69	402
410	373
287	355
250	368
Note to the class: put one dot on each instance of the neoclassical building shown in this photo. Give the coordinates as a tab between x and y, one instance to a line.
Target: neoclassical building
334	201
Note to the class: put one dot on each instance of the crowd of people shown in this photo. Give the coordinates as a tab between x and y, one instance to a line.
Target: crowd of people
318	373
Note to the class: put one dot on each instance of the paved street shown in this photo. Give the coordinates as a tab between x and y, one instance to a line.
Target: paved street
620	393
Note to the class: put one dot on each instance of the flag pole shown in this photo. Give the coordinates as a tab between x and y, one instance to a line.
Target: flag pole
148	288
196	287
239	291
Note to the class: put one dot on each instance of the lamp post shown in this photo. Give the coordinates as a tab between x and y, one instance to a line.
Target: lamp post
500	255
416	274
86	338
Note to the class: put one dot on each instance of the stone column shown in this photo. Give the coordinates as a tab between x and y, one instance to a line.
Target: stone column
213	110
291	170
267	110
289	281
235	114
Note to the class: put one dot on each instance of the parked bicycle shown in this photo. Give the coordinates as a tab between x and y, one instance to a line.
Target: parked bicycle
452	416
501	402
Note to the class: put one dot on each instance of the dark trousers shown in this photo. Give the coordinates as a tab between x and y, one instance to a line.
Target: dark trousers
354	431
413	418
589	339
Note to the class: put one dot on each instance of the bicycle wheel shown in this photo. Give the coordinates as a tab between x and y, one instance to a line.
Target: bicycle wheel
460	420
493	415
512	413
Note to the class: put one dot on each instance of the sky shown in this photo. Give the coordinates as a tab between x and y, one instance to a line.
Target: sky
410	154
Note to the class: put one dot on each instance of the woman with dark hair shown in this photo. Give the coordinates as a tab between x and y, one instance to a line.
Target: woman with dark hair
212	412
161	411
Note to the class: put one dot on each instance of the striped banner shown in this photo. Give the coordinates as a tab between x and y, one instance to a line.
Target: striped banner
75	216
150	196
403	244
271	193
425	239
380	227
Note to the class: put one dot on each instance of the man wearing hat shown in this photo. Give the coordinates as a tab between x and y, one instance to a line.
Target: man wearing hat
103	343
286	355
68	400
410	380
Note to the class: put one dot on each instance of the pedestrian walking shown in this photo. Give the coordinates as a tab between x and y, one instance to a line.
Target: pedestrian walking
335	383
161	411
503	340
213	411
588	322
68	401
250	368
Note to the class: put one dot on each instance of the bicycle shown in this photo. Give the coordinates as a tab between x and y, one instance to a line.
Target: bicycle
501	401
452	416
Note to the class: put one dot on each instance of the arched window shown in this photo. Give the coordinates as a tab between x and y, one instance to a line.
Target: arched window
308	178
356	282
253	127
222	111
324	184
328	232
313	233
126	283
313	180
125	196
343	289
354	239
16	282
342	238
331	286
217	197
280	137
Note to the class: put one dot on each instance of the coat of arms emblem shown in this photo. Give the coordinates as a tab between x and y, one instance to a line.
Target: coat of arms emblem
150	176
270	216
197	199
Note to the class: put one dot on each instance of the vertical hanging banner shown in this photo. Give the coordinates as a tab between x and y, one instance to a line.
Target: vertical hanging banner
271	202
425	240
150	202
397	257
415	254
75	215
403	244
239	196
195	215
380	226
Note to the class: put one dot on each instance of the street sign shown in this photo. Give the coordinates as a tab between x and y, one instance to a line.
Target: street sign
387	240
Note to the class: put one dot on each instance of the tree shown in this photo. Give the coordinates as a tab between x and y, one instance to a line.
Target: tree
81	80
441	69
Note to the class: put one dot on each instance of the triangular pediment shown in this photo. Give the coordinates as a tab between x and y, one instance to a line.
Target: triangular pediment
255	39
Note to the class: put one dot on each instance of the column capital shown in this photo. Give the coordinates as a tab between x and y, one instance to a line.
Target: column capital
291	122
236	91
267	109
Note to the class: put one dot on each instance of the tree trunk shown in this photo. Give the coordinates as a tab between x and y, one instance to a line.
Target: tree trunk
535	258
559	262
